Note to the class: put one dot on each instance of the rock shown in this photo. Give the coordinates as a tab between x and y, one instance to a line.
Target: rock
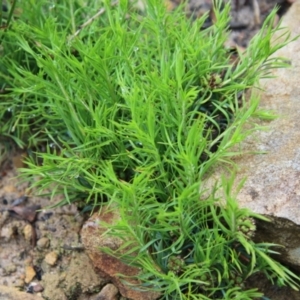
109	292
27	231
52	287
80	271
93	238
43	243
283	232
7	232
36	287
9	293
29	274
73	276
51	258
272	187
262	283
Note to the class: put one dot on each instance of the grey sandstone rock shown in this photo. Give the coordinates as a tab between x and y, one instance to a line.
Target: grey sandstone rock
272	187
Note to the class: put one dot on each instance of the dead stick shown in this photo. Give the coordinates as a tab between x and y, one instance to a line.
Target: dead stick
256	11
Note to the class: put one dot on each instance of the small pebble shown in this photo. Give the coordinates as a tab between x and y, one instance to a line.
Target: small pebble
29	274
109	292
27	231
62	276
7	232
36	287
43	243
51	258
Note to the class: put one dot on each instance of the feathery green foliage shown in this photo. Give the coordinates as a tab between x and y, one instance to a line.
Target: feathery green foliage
133	111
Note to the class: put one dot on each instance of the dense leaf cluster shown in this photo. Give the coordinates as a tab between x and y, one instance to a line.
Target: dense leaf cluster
134	111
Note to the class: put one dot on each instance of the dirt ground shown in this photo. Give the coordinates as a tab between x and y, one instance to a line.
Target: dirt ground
40	250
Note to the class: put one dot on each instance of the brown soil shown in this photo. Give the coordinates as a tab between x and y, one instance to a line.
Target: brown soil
40	251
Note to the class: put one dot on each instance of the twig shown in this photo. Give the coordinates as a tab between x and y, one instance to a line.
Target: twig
89	21
256	11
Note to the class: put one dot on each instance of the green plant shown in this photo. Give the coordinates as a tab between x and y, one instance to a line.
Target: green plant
134	110
191	249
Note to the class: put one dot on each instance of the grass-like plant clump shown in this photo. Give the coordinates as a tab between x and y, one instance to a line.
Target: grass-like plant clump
132	110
